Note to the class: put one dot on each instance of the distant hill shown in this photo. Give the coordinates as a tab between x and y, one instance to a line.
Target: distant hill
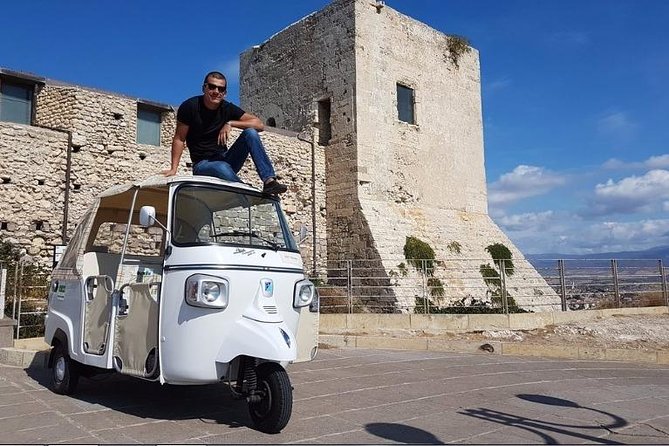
658	252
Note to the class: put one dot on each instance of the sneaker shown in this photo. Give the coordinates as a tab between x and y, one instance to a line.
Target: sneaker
273	187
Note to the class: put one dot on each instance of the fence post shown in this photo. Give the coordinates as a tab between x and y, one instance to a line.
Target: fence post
3	287
349	285
502	283
616	290
20	287
428	288
424	284
563	285
16	285
664	283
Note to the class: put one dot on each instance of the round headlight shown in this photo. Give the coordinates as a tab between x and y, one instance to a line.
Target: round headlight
211	291
306	292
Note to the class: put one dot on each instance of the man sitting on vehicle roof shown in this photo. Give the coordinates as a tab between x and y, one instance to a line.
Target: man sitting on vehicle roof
204	123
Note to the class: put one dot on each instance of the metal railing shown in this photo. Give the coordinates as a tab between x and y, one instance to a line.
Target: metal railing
464	285
26	289
456	285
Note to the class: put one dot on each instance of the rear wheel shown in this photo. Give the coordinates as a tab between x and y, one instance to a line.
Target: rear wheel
64	373
272	411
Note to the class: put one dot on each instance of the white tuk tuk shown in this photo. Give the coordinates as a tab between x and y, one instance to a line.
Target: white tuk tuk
185	280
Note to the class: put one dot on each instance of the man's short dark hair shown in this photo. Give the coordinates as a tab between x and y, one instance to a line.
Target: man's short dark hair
215	75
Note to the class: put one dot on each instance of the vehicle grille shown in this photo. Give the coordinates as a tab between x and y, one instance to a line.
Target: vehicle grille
270	309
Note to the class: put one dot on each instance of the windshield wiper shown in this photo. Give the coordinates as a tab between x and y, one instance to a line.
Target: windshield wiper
237	233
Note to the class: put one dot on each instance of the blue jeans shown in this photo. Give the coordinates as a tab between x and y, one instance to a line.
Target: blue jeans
228	163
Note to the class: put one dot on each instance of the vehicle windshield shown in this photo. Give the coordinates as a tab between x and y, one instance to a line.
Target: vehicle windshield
205	215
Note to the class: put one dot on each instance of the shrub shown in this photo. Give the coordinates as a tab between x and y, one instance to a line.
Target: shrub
416	252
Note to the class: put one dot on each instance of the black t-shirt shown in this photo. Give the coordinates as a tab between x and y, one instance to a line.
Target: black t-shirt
204	126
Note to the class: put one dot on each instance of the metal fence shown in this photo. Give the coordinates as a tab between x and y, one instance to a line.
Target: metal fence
604	283
488	286
25	296
458	285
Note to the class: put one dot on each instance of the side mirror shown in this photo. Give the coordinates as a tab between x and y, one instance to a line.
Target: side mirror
147	216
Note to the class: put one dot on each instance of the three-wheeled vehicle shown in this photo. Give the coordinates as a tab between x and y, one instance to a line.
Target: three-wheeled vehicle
185	280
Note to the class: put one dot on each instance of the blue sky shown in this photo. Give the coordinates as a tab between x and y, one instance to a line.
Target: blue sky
575	101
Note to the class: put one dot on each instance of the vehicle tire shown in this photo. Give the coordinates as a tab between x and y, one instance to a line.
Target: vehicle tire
64	373
272	412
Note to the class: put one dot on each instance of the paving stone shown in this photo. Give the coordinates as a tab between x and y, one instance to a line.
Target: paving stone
437	397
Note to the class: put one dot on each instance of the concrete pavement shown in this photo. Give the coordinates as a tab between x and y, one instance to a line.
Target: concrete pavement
362	396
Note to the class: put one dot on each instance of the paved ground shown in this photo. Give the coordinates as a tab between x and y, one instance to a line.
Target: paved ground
362	396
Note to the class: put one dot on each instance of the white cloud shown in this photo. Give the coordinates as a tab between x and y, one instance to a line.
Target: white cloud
616	125
498	84
230	68
563	233
523	182
657	162
615	163
625	236
654	162
521	222
632	194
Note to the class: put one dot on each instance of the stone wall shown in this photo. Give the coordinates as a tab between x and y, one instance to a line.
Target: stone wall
387	179
427	179
32	187
104	134
285	78
102	127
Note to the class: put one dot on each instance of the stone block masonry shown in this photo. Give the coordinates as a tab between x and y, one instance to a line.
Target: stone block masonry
99	130
369	181
387	179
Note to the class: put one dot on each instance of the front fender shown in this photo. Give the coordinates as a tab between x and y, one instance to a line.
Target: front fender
259	340
59	321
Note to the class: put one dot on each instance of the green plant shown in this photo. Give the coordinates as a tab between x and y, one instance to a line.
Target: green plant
403	269
436	286
454	247
457	46
478	307
501	254
420	306
31	287
9	254
419	255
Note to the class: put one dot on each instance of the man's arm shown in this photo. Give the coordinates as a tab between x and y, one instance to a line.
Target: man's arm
178	144
247	121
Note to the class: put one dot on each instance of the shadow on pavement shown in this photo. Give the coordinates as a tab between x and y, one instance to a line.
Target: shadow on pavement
543	429
151	400
402	433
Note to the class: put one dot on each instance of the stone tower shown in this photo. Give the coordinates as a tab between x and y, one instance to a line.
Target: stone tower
396	108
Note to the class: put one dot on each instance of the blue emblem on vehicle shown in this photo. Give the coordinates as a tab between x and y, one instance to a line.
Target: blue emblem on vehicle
267	287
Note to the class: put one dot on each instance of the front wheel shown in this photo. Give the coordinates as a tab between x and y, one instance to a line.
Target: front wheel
271	413
64	373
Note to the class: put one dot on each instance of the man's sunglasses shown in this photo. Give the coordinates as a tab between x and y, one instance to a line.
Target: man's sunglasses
216	87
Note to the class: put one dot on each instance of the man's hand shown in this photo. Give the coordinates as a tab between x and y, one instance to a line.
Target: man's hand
169	172
224	134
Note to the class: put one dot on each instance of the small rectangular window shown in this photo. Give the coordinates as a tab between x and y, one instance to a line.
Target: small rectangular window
148	126
405	104
324	124
16	102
